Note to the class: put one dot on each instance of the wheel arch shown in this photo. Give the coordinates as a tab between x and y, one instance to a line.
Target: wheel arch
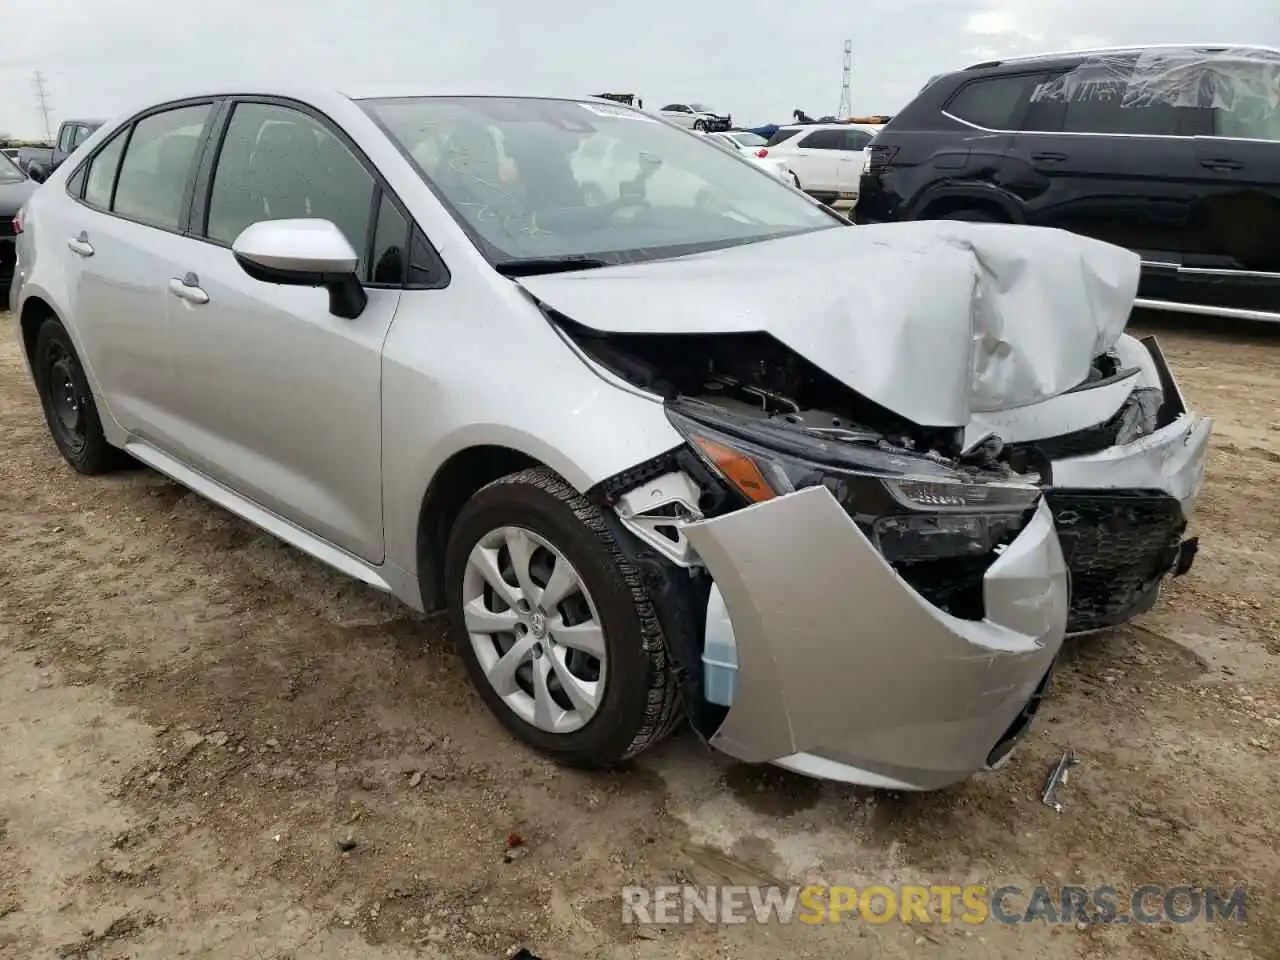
458	478
936	202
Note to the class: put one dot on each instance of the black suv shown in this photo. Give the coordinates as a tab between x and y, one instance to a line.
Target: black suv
1173	152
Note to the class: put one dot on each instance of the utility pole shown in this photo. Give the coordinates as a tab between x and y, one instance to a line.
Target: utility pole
846	83
42	101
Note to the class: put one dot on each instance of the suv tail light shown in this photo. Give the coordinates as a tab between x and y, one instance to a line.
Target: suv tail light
880	156
762	152
17	220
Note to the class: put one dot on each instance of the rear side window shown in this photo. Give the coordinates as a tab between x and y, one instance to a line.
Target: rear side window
824	140
996	103
779	136
102	172
81	135
157	166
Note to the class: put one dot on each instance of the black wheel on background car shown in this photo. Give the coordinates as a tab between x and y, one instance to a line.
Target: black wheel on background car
555	626
69	407
970	214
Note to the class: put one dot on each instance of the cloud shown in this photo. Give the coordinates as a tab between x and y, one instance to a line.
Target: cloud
759	62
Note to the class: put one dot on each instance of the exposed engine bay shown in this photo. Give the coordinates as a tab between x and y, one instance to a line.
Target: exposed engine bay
754	377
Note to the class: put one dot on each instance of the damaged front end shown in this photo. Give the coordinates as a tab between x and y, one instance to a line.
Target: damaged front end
847	594
1126	460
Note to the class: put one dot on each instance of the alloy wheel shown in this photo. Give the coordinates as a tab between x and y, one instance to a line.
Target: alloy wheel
534	629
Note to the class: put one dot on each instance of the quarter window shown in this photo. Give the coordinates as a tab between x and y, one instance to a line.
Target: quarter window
157	166
996	103
102	172
277	163
390	238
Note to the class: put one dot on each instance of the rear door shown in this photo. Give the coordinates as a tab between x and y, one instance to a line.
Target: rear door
120	242
815	159
850	163
1088	162
1239	163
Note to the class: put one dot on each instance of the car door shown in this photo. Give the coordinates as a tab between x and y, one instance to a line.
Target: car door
816	159
1087	162
120	242
850	164
281	400
1239	173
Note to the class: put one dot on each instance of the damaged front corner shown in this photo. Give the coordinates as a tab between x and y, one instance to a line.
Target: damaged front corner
840	659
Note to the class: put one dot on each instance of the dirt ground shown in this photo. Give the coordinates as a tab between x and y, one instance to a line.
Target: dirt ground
195	720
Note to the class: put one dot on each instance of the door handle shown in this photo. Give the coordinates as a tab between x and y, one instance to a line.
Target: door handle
80	245
1221	163
1049	157
188	288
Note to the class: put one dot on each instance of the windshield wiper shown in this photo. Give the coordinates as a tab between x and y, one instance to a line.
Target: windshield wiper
533	266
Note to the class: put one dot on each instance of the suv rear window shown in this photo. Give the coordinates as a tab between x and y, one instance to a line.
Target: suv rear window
996	103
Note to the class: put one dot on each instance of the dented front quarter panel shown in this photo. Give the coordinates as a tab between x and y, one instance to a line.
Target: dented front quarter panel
842	664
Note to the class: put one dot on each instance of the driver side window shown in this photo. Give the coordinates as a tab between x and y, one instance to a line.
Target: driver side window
277	163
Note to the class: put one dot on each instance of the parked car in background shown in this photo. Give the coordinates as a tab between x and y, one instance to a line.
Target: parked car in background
826	158
697	116
15	187
71	134
654	453
1171	151
752	147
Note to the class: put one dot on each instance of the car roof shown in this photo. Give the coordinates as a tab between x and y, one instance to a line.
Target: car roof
868	127
1207	47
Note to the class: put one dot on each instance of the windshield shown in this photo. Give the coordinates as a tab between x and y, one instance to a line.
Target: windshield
8	172
700	108
531	178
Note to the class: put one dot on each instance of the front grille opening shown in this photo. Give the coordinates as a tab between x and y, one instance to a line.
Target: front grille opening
952	584
1119	545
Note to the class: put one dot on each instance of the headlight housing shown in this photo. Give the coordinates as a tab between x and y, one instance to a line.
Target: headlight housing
938	527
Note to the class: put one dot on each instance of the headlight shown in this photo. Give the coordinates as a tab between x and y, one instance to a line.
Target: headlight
931	522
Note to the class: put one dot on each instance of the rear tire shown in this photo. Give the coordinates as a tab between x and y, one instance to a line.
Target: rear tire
544	692
69	407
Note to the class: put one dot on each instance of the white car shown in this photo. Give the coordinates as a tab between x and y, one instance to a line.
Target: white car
696	116
827	158
753	147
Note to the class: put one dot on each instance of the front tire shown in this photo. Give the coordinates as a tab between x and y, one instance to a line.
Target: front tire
555	626
69	407
700	126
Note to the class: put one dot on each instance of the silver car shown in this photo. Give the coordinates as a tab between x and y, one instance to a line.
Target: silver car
723	457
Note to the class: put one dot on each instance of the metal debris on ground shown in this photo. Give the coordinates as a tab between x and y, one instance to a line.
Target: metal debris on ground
1057	777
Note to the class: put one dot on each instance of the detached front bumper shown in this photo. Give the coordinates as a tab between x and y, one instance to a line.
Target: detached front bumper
846	673
1122	512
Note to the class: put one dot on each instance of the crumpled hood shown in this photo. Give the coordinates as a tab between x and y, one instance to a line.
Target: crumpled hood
935	320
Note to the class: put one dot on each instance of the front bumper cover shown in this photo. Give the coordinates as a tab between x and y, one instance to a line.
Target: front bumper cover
846	673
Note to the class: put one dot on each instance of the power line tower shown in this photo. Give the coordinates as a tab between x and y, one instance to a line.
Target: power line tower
42	101
846	83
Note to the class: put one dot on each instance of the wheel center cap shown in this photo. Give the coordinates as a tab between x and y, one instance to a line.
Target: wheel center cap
538	624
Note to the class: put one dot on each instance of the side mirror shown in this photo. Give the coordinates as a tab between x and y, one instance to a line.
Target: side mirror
304	253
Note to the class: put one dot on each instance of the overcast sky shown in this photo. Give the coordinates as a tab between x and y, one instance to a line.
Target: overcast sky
758	60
